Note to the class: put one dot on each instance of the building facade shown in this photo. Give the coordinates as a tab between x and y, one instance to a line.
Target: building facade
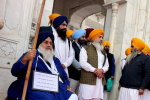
121	20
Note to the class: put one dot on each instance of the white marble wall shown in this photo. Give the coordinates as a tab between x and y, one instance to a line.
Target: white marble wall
14	36
18	16
139	18
45	18
47	11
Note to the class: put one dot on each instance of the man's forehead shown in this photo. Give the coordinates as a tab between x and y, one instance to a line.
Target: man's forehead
48	39
101	35
107	45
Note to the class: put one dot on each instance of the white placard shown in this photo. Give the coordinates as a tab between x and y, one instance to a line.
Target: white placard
45	82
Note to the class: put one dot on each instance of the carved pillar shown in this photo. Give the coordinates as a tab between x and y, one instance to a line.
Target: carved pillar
113	25
114	92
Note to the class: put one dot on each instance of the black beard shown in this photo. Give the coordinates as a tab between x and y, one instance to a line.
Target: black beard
106	50
82	42
62	33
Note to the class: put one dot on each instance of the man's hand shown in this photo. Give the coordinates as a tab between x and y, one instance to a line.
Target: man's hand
119	87
141	92
112	77
63	66
100	76
29	56
69	89
99	73
95	70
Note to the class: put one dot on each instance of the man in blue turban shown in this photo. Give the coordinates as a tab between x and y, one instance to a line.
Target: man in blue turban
63	47
60	24
75	68
43	62
51	27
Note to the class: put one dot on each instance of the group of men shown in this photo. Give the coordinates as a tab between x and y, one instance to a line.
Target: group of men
82	62
77	58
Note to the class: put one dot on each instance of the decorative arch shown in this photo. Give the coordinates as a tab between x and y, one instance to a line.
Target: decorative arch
78	14
78	10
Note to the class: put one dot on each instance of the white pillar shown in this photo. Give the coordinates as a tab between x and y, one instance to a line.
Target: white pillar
113	25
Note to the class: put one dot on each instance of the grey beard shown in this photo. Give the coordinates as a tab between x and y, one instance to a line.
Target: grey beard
47	54
131	56
98	46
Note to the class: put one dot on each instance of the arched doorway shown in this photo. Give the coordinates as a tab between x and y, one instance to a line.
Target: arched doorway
77	18
78	10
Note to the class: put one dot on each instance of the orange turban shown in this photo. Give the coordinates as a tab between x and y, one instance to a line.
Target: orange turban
146	49
69	33
138	43
106	43
128	51
53	16
95	33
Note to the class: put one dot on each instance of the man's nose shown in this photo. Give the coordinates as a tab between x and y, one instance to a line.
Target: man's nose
65	27
49	45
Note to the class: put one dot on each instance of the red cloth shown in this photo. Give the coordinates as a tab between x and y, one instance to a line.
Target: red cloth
88	31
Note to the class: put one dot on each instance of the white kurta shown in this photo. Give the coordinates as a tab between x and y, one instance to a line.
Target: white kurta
62	51
146	95
106	95
91	91
129	94
123	61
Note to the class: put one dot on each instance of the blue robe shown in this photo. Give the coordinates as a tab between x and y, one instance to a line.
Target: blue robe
19	70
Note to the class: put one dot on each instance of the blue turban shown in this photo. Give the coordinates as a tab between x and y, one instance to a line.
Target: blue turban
59	20
44	35
78	33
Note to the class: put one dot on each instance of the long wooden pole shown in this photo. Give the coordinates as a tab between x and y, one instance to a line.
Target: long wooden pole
33	47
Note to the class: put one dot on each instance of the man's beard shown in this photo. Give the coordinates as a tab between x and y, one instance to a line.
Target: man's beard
98	46
107	51
82	42
62	33
47	54
131	56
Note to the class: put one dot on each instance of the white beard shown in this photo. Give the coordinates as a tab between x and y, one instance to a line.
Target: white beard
98	46
131	56
47	54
